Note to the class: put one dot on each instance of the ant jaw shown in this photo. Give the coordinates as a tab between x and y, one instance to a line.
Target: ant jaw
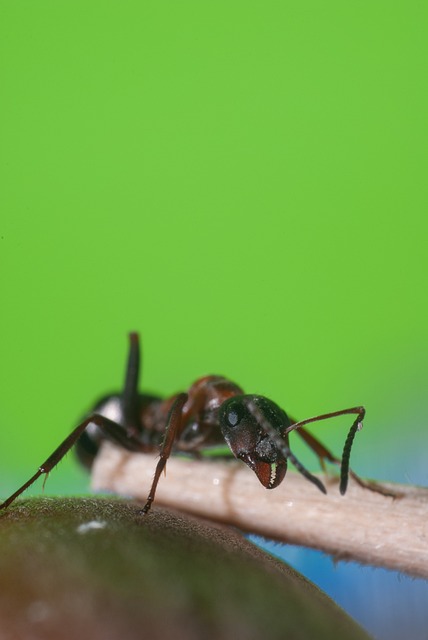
270	474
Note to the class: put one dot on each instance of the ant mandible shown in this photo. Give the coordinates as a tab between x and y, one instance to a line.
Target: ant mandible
213	411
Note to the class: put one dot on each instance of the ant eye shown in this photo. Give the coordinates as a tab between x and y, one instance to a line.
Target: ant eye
234	414
232	418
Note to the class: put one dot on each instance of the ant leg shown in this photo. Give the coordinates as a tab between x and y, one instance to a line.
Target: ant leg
173	424
299	466
278	440
130	389
319	449
324	453
113	430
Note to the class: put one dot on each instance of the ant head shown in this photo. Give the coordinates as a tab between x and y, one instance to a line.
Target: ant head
253	427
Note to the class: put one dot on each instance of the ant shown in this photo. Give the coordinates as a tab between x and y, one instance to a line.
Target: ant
213	411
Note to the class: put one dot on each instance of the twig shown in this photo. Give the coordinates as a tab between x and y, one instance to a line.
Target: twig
362	525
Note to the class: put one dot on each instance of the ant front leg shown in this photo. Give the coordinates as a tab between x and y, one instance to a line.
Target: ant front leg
172	429
112	430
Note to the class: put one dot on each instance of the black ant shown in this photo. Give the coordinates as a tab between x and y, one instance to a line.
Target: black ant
213	411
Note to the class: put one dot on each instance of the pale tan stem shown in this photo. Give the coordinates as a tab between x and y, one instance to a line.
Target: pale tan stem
362	525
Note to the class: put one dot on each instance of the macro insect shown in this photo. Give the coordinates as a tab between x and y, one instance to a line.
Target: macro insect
213	412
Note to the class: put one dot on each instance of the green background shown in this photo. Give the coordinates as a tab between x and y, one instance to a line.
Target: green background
245	183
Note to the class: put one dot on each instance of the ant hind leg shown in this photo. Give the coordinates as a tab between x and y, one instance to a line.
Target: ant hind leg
112	431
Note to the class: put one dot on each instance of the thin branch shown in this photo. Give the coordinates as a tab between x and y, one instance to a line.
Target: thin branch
362	525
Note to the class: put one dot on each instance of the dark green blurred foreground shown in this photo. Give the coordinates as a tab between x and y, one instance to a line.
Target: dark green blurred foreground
93	568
